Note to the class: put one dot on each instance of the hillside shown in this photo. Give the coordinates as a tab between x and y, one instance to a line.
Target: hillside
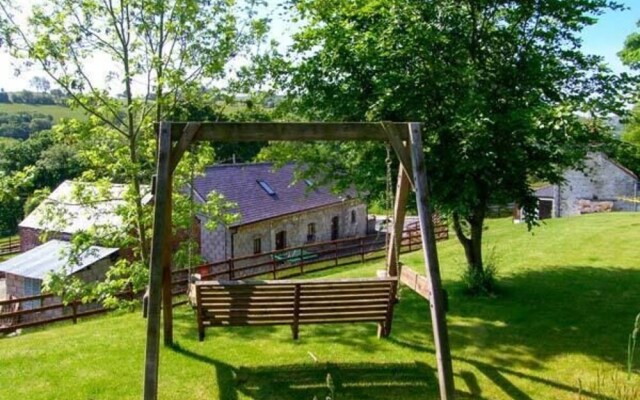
57	112
557	330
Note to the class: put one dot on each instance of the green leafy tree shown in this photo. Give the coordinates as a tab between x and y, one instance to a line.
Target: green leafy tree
46	158
164	48
498	84
630	56
40	84
160	53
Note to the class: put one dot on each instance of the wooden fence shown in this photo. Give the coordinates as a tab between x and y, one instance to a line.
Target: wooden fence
10	246
326	255
25	312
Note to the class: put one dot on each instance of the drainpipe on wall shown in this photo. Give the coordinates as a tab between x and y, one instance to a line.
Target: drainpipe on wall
233	232
556	199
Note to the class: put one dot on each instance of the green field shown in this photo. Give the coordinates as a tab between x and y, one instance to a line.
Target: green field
6	140
557	330
57	112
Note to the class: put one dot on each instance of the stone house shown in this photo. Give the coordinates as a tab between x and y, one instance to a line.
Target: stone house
22	275
62	214
603	185
274	213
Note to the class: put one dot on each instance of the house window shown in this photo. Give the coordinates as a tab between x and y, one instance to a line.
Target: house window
281	240
311	232
335	227
257	246
353	216
31	288
266	187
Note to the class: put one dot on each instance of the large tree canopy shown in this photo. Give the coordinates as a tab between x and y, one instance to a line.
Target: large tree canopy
163	56
630	56
500	85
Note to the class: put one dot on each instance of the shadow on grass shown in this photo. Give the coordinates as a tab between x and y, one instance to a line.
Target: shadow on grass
539	315
556	311
306	381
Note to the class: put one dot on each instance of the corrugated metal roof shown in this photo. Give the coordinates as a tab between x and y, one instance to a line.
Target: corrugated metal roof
243	185
52	256
61	212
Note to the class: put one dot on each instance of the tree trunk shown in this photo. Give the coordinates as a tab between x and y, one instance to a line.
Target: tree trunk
473	243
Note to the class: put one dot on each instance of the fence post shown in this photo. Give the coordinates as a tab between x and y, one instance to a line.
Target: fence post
336	254
302	259
74	310
410	239
273	266
362	249
230	264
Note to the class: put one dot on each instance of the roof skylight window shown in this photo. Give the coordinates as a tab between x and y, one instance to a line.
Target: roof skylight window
266	187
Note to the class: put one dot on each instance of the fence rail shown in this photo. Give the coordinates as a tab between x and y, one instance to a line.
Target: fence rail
325	255
43	309
9	246
22	314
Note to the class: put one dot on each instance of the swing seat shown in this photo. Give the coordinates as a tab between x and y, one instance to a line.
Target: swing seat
295	303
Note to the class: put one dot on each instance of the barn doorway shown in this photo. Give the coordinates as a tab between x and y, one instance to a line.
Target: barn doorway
281	240
545	208
335	227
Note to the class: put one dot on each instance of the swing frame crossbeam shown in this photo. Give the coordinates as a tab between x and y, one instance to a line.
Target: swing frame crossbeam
174	138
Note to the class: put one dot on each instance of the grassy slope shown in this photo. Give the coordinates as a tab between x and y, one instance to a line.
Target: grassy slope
560	324
57	112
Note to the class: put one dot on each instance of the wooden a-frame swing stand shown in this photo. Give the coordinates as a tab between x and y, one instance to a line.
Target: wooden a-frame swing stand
405	138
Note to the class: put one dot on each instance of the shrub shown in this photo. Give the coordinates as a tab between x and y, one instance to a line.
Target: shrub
482	282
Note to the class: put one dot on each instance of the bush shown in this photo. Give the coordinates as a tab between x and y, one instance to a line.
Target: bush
482	282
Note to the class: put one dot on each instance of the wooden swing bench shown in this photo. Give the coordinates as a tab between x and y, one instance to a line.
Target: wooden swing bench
294	303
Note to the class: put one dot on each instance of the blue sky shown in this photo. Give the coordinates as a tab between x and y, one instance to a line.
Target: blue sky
606	38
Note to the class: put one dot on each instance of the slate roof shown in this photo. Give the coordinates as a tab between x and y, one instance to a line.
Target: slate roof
239	183
52	256
61	212
545	192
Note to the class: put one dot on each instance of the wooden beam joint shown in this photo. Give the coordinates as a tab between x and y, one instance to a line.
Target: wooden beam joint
189	134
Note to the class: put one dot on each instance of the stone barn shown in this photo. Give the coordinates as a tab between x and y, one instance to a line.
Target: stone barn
274	213
22	275
61	214
602	186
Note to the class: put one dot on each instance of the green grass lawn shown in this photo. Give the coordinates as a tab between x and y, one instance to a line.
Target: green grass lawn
56	111
558	330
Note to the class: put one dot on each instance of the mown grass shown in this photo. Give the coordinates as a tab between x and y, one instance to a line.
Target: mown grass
557	330
56	111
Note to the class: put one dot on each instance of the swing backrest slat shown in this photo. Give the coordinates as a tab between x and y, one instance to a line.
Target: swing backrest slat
295	302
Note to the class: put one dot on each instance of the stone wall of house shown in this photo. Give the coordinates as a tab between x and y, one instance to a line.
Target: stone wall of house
30	238
97	271
3	286
15	286
216	245
601	182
